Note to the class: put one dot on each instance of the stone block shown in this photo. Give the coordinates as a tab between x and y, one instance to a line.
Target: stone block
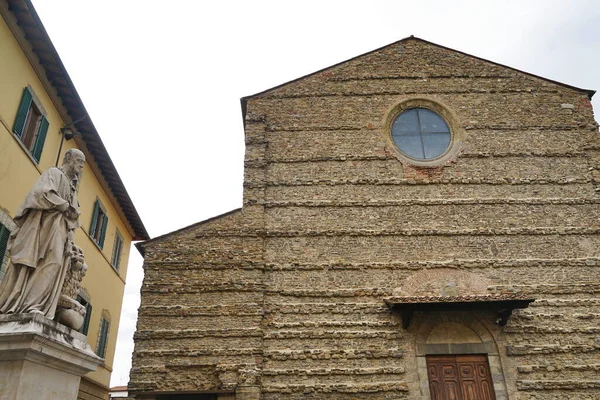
41	359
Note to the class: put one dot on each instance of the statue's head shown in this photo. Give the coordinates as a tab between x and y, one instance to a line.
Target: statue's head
73	163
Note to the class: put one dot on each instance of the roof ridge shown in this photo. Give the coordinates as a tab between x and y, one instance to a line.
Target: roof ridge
245	99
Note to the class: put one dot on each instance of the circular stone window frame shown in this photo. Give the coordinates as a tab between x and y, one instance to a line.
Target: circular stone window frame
457	133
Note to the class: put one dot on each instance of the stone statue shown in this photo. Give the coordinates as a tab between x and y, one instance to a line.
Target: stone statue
42	246
69	311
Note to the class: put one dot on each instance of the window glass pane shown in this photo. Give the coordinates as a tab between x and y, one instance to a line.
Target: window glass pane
117	247
431	122
406	123
410	145
99	221
31	127
435	144
421	134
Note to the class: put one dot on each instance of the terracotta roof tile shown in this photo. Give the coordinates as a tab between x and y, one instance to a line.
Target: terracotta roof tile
474	298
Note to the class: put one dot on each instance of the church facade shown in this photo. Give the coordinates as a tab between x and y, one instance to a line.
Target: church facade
418	223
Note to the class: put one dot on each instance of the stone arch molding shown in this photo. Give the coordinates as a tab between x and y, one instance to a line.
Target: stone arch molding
445	333
443	282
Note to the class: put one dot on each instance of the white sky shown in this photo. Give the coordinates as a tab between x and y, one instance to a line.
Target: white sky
162	80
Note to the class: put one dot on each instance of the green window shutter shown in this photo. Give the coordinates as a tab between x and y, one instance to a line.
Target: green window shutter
119	251
94	218
103	230
113	259
22	112
86	322
102	338
4	234
40	139
117	248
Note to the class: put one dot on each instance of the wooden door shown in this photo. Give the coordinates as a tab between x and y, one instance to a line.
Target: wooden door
459	377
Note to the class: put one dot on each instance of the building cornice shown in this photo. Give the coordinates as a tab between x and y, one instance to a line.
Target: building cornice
29	31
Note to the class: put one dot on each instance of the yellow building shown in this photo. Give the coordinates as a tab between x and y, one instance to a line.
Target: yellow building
41	117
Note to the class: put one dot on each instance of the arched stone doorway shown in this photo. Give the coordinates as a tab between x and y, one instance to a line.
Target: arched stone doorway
456	333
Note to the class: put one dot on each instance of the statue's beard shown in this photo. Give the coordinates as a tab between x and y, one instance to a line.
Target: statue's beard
73	175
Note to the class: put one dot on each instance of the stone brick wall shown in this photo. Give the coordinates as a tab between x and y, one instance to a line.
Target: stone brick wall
286	294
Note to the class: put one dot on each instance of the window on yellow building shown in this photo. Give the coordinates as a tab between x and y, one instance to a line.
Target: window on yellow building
88	314
99	222
31	125
117	250
102	337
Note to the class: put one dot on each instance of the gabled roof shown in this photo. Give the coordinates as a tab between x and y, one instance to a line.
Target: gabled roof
35	33
244	100
142	245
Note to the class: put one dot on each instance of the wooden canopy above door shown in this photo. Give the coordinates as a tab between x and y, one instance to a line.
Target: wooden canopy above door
503	304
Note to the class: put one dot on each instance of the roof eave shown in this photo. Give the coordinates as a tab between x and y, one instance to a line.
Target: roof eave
244	100
60	80
141	245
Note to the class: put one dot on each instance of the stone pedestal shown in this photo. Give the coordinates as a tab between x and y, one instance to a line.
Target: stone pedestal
41	359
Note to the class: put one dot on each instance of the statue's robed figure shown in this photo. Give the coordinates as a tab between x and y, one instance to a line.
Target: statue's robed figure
40	247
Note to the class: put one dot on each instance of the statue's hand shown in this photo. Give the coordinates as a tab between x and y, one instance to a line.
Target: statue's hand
72	213
63	208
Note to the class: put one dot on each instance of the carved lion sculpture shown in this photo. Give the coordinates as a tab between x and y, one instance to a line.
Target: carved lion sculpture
70	312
